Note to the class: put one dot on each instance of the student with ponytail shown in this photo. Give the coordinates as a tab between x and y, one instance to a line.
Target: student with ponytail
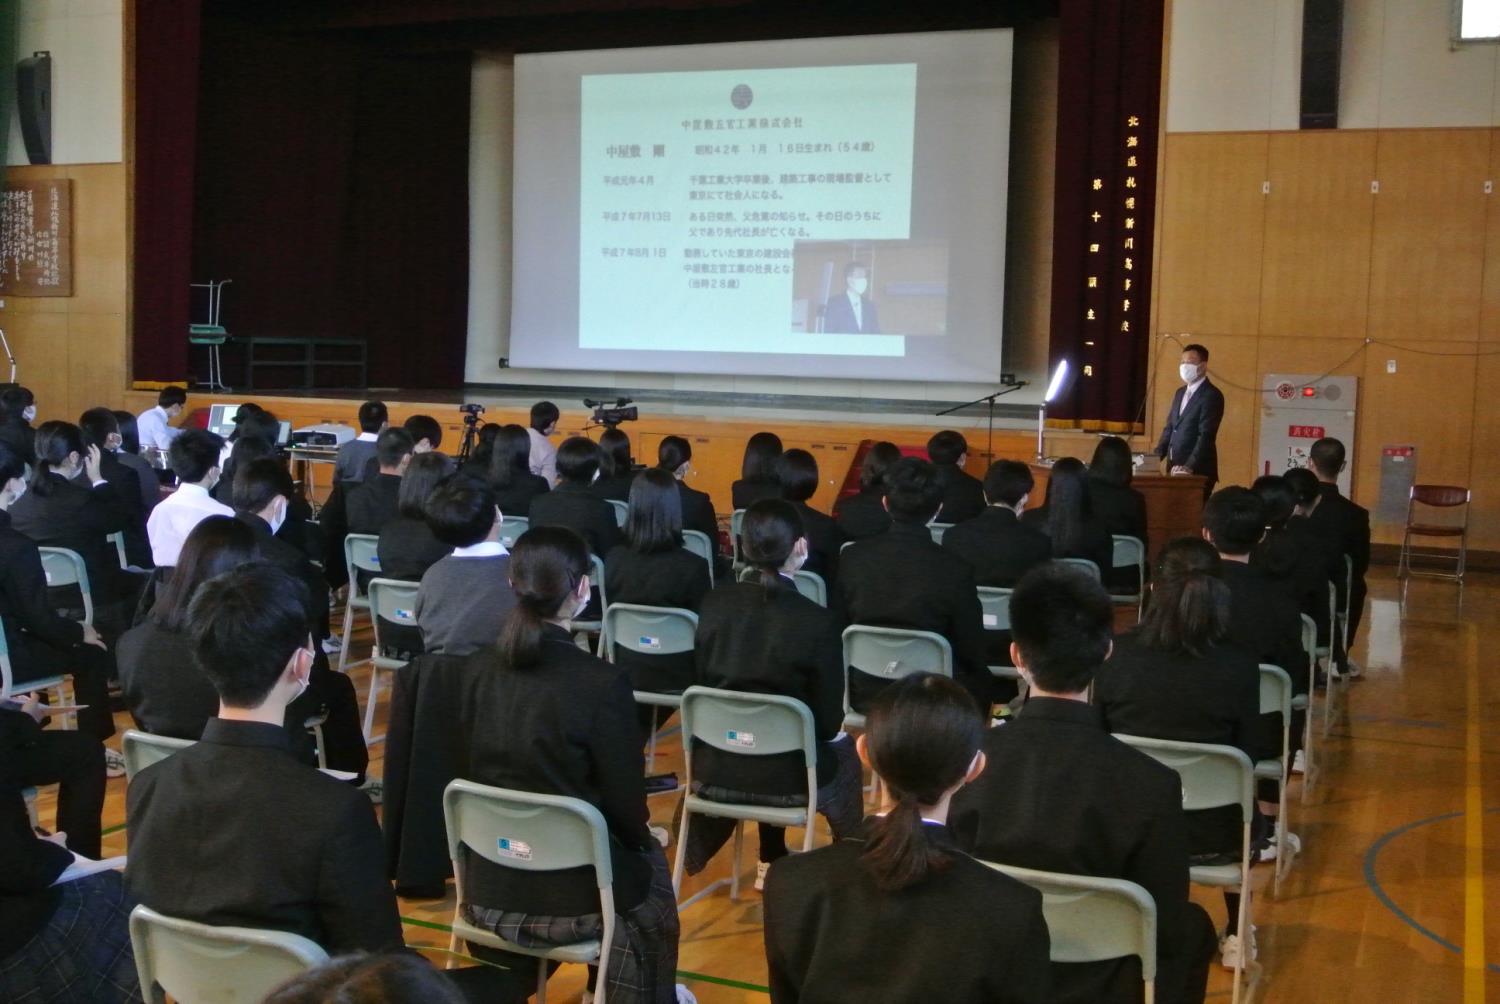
543	715
882	915
764	637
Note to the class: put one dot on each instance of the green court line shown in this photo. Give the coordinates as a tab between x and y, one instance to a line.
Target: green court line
112	829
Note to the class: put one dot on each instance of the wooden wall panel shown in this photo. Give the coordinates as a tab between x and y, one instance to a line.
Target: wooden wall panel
1316	279
1484	479
1212	227
1428	248
1489	321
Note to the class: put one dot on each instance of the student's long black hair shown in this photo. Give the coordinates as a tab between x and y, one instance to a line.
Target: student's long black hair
218	544
509	455
761	452
921	734
1067	506
767	536
545	567
654	517
54	441
1189	608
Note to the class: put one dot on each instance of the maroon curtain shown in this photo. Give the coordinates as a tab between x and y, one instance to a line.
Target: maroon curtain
166	106
1109	97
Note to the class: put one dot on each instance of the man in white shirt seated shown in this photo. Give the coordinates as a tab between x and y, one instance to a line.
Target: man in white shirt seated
194	456
544	416
153	426
355	454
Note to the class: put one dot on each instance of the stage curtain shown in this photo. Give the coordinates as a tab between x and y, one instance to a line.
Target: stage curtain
1109	98
166	107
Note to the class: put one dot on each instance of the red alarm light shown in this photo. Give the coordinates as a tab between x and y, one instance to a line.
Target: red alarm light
1309	392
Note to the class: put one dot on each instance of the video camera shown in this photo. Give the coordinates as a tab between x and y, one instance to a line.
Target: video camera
611	417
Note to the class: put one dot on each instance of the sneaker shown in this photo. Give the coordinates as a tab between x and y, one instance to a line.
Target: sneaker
662	834
685	996
374	787
1230	951
1352	669
1293	842
332	645
1299	763
114	763
761	867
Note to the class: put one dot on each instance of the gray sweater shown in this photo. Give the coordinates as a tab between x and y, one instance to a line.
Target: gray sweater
462	603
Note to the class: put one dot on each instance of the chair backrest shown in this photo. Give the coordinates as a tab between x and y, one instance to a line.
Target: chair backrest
142	749
1211	775
697	541
511	528
811	585
1275	691
736	523
751	724
525	830
199	963
118	539
1128	552
896	652
7	675
596	579
361	552
649	630
1083	563
1440	496
393	600
937	530
622	511
64	567
1091	919
1309	642
994	604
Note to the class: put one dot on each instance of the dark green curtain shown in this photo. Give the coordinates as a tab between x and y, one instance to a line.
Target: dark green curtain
8	20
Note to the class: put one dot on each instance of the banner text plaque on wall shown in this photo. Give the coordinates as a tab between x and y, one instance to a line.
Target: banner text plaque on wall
36	238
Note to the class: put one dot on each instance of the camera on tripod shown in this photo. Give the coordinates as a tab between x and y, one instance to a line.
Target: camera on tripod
471	429
611	417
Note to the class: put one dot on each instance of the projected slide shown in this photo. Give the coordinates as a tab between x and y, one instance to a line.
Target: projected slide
801	211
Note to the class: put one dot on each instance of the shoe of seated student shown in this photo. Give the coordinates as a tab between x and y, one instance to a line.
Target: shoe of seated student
331	645
1293	842
685	996
661	833
1299	763
761	867
1231	948
1352	669
114	763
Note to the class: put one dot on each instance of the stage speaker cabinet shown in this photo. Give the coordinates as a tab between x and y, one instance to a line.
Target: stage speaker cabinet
34	105
1322	41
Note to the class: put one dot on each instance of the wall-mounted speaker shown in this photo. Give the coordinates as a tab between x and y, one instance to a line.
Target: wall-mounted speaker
1322	42
34	103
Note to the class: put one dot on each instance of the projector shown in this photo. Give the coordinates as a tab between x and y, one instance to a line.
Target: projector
326	434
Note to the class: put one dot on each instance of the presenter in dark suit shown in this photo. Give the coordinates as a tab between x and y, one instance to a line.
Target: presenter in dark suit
1188	443
851	312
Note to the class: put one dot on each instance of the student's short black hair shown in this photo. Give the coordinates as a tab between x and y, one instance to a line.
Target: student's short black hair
424	427
947	447
1278	497
97	425
373	415
913	492
1327	456
577	460
245	625
193	453
543	414
673	452
797	470
260	481
1302	483
130	436
1235	519
1062	621
1195	347
879	460
170	396
391	446
15	399
461	511
1007	482
257	424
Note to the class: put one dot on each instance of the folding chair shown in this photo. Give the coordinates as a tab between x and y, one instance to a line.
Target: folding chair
753	725
697	541
211	335
994	605
1213	776
511	528
737	523
811	585
63	567
1342	615
118	539
198	962
1304	704
622	511
889	654
1092	919
359	555
596	582
1276	697
1129	552
1084	564
1435	497
649	631
142	749
532	833
1328	656
937	530
393	601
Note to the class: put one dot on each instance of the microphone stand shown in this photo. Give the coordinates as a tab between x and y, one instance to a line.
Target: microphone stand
988	399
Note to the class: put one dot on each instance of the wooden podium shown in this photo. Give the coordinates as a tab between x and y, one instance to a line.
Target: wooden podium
1174	503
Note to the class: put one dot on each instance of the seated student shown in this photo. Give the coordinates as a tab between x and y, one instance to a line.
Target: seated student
903	579
255	435
544	416
478	464
200	822
65	942
653	569
195	460
129	453
551	718
616	469
509	471
349	464
1292	552
996	544
100	429
1347	522
153	425
59	511
73	760
828	929
465	597
675	456
426	433
764	637
17	412
963	496
758	479
1066	796
372	504
387	978
572	504
407	545
1118	506
797	472
863	515
1068	517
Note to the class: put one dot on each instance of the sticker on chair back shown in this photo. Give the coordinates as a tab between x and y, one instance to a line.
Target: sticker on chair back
646	641
404	615
892	666
991	620
374	560
518	849
744	740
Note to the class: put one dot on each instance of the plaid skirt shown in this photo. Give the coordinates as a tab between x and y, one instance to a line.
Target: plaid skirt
83	954
642	956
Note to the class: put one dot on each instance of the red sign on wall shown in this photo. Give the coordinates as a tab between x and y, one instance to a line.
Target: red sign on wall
1305	431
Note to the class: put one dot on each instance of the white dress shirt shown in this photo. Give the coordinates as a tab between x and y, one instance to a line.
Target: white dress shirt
1187	394
857	304
174	518
543	457
152	428
483	549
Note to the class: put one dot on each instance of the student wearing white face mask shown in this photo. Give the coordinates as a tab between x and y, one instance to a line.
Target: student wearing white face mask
17	412
851	311
1188	443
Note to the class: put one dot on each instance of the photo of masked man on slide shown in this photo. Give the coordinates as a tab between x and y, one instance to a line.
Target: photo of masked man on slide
852	312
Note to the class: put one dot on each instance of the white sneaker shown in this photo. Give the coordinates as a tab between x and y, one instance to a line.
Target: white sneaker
1299	763
1354	671
1293	842
1230	951
761	867
331	645
685	996
114	763
662	834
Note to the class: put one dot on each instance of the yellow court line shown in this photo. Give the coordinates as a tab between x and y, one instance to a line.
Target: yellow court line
1474	966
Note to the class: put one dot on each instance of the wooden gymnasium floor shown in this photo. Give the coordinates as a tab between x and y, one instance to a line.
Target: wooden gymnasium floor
1387	901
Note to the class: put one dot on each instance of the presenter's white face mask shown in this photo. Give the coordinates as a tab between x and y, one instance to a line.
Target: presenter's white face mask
1188	371
859	285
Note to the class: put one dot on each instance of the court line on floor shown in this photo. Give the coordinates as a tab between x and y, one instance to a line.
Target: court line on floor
1474	965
